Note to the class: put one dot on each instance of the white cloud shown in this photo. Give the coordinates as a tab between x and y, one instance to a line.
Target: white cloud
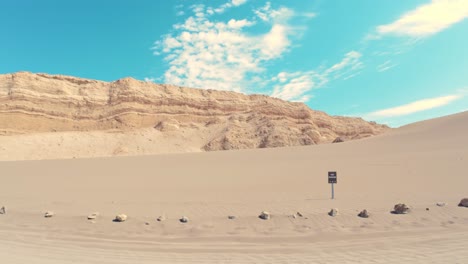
204	52
427	19
296	86
414	107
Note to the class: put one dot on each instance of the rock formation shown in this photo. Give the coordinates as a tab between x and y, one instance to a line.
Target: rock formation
136	116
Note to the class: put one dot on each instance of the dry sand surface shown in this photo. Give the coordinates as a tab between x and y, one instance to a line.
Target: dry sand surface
420	165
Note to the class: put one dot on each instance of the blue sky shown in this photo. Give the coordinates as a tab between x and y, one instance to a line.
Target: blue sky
393	62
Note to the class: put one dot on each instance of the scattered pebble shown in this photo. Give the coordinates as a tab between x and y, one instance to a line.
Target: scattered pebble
93	216
333	212
49	214
120	218
364	214
265	215
463	202
401	209
184	219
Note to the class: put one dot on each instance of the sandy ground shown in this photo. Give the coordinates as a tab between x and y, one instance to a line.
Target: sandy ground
419	165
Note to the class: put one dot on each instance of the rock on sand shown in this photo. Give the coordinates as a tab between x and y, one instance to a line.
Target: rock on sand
463	202
401	209
120	218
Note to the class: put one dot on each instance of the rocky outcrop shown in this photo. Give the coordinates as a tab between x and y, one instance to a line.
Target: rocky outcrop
33	103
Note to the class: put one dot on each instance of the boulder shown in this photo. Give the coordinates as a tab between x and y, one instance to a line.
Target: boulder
49	214
333	212
161	218
3	210
401	209
93	216
364	214
463	202
184	219
299	214
264	215
232	217
120	218
441	204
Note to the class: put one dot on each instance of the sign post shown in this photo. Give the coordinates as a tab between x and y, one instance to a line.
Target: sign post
332	179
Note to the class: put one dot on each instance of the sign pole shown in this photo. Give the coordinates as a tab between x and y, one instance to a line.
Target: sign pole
333	191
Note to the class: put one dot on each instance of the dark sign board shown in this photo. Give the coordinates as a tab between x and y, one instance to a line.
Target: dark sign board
332	177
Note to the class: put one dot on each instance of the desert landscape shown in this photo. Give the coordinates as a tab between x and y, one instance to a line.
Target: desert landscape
217	161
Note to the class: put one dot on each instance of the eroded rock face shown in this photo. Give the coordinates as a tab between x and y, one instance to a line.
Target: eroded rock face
215	120
401	209
463	202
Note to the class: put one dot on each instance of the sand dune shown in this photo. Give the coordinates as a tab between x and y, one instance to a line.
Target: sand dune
419	164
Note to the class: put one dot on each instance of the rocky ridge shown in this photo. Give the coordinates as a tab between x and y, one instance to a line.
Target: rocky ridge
214	120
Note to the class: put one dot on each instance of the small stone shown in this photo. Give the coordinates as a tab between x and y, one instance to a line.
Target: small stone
184	219
333	212
232	217
463	202
364	214
338	140
93	216
161	218
49	214
120	218
265	215
3	210
441	204
401	209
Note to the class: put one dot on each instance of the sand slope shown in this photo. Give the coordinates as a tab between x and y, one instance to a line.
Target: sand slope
419	164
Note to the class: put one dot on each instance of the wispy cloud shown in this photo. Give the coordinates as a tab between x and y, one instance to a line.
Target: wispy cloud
387	65
296	86
209	53
414	107
427	19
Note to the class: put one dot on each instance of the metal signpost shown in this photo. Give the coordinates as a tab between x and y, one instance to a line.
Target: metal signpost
332	176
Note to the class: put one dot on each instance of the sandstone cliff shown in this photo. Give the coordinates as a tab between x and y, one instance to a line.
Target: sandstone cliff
62	117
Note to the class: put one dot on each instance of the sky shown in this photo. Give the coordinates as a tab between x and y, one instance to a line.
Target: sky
393	62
